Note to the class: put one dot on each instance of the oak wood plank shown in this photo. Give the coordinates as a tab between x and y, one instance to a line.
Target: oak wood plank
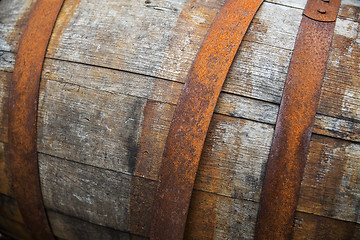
5	181
331	183
5	79
228	218
14	229
114	82
340	96
94	127
7	61
9	209
313	227
130	35
93	194
70	228
141	204
13	19
234	157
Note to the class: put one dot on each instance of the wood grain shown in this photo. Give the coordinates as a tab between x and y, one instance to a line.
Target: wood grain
141	204
224	217
5	177
233	160
132	36
74	119
5	181
340	95
13	18
313	227
95	117
65	227
95	195
114	82
5	78
331	180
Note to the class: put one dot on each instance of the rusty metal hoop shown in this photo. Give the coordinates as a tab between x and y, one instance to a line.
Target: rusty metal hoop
192	117
295	122
23	100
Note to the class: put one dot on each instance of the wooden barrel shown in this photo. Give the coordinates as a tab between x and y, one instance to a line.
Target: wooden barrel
111	79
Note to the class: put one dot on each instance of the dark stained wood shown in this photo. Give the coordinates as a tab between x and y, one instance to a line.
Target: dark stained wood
9	209
313	227
141	205
66	227
95	195
14	229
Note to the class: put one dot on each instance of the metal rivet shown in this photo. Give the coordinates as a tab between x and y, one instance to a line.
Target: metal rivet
322	11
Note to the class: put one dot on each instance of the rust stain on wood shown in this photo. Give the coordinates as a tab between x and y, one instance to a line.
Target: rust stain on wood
314	227
23	100
156	124
141	202
294	125
201	221
5	80
192	118
323	174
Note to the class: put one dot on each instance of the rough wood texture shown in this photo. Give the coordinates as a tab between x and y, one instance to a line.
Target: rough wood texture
5	182
340	94
69	115
66	227
111	122
115	82
271	38
5	78
9	209
331	184
313	227
141	203
217	217
133	34
96	195
234	158
14	229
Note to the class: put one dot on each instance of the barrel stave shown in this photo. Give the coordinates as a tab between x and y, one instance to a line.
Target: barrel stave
109	87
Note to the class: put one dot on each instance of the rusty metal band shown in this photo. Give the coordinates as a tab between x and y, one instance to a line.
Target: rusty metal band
295	122
192	117
23	101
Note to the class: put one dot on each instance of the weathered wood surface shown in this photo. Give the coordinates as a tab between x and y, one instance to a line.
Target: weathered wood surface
14	229
13	19
95	195
65	227
262	61
313	227
76	76
102	129
9	209
331	184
